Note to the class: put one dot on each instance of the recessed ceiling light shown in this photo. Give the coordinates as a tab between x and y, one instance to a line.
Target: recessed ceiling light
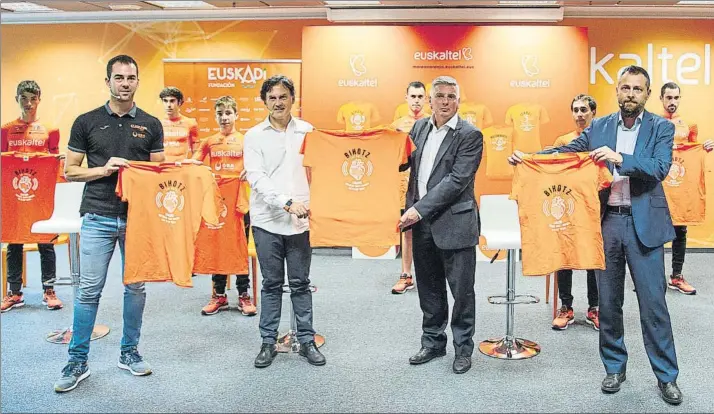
695	3
125	7
26	6
529	3
352	3
181	4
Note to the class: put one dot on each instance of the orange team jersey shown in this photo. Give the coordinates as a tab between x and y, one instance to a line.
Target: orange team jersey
684	186
180	138
476	114
404	110
357	116
683	132
353	191
224	153
498	141
526	120
406	122
565	139
223	249
166	204
22	136
28	195
559	212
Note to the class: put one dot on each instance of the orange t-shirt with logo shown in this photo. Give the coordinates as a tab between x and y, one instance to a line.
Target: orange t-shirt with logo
28	195
477	115
683	132
223	153
498	142
685	187
358	116
526	119
353	191
166	205
559	212
180	137
223	248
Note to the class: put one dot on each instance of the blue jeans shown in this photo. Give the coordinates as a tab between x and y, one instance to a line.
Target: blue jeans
97	240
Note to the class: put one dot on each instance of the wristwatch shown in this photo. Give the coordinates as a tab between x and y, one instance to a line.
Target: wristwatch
288	204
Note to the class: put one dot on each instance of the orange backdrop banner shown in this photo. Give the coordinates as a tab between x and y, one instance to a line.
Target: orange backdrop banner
204	81
355	77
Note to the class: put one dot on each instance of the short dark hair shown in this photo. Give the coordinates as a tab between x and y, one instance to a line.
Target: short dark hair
172	91
416	85
28	86
587	98
668	85
637	70
272	82
124	59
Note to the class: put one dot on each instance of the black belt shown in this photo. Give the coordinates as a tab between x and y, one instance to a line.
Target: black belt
623	210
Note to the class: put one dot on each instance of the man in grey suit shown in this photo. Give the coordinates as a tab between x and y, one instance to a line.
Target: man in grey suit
637	147
443	215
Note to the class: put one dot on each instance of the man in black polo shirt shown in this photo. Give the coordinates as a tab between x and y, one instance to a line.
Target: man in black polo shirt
108	136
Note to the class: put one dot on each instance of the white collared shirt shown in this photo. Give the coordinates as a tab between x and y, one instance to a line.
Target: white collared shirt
431	147
626	140
274	169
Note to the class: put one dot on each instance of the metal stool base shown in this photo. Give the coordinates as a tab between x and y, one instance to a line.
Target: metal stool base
63	336
502	348
288	342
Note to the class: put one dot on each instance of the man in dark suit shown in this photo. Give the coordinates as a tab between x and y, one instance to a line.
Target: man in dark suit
443	214
637	147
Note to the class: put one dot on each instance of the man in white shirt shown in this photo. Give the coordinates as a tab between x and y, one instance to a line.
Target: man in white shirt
443	213
279	207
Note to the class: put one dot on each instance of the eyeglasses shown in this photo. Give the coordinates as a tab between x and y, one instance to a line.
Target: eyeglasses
441	97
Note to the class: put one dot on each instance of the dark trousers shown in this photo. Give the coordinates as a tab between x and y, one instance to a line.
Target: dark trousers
220	282
647	269
679	248
435	267
274	252
47	265
242	281
565	288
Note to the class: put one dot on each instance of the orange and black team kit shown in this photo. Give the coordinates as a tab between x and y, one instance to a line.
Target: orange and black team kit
354	177
559	212
166	204
28	192
685	186
180	138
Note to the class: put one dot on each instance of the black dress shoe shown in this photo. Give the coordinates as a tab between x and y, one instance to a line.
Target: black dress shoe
461	364
314	356
670	392
265	357
611	383
425	355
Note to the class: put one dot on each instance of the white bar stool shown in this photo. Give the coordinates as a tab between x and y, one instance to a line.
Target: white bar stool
65	219
501	229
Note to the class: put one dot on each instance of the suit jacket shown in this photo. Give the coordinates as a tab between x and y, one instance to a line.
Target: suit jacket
647	167
449	204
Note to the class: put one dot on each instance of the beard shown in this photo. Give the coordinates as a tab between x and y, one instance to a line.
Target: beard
633	111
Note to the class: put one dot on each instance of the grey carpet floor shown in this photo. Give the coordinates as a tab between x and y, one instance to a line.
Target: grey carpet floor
205	364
